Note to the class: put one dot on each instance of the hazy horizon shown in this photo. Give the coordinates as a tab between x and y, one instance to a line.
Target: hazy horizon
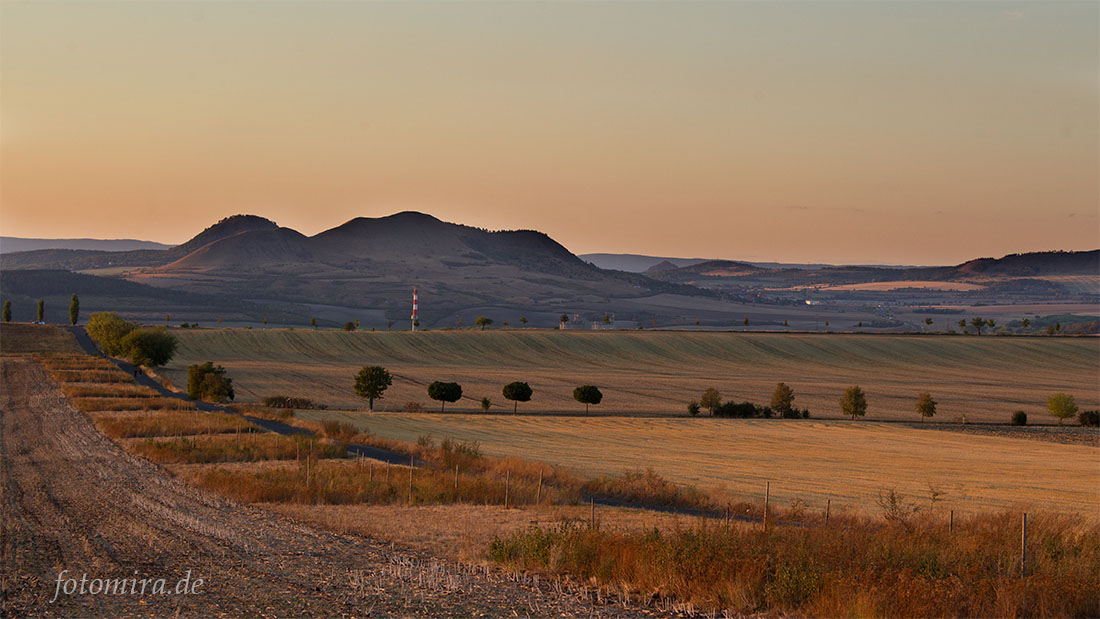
869	133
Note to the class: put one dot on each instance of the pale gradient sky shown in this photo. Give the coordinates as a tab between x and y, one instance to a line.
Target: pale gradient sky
916	133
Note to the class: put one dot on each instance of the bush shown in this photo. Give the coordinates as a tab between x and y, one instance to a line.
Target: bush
208	382
108	330
1089	419
744	410
283	401
792	413
1019	418
413	407
339	430
349	326
805	413
693	408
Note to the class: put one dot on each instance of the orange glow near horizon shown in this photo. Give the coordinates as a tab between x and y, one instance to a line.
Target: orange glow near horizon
905	133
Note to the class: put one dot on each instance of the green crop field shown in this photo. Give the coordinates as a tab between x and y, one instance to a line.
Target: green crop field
656	373
847	462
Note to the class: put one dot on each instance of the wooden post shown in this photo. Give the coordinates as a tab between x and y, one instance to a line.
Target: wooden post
767	499
828	508
370	471
507	486
1023	546
592	512
951	522
456	482
538	493
387	472
410	480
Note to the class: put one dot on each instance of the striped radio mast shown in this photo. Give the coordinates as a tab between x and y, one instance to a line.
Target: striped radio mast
414	316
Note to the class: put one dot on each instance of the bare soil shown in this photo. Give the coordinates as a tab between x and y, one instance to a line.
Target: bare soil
70	499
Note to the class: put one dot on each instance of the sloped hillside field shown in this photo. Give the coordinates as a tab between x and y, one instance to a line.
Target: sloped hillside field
656	373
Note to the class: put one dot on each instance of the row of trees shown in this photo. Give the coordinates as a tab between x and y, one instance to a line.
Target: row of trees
74	310
372	381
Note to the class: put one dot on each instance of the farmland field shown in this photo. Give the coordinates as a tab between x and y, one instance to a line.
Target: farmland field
847	462
656	373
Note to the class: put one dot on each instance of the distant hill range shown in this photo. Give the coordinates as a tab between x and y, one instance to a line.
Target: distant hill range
12	244
640	263
246	268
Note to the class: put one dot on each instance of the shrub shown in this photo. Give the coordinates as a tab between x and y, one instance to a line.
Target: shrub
1019	418
349	326
207	381
1090	419
108	329
486	403
743	410
792	413
151	347
693	408
283	401
805	413
339	430
412	407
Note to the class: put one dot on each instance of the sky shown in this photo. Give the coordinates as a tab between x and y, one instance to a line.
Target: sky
847	132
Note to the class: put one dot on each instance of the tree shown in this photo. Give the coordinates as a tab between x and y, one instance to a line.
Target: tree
564	319
523	320
926	406
41	311
265	321
207	381
444	392
483	321
587	394
313	322
1025	323
977	323
485	404
746	321
928	322
785	323
962	325
74	309
150	347
783	399
711	399
349	326
7	311
356	323
517	392
167	317
693	408
108	330
607	319
991	323
1062	406
854	403
371	382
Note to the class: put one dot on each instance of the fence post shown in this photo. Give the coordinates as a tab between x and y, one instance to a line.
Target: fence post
507	486
538	493
767	499
456	482
592	512
370	471
828	508
387	472
410	480
1023	546
951	522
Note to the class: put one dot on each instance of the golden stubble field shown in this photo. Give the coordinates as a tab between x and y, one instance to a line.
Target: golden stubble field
847	462
656	373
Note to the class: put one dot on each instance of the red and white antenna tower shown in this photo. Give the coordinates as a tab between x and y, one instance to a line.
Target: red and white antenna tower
414	316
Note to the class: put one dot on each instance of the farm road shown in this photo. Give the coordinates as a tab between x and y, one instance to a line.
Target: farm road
70	499
366	451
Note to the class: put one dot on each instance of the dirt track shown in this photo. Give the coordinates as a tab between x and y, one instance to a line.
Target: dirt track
70	499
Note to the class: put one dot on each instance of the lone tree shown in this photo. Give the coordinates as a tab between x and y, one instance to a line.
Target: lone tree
7	311
207	381
150	347
41	311
962	325
517	392
523	320
444	392
587	394
978	323
74	309
564	319
1025	323
486	403
483	321
371	382
926	406
854	403
783	399
349	326
711	399
313	322
1062	406
928	322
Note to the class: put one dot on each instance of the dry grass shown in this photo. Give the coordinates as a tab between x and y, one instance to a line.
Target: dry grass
92	376
106	390
861	569
88	404
166	423
240	447
812	460
657	373
76	362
